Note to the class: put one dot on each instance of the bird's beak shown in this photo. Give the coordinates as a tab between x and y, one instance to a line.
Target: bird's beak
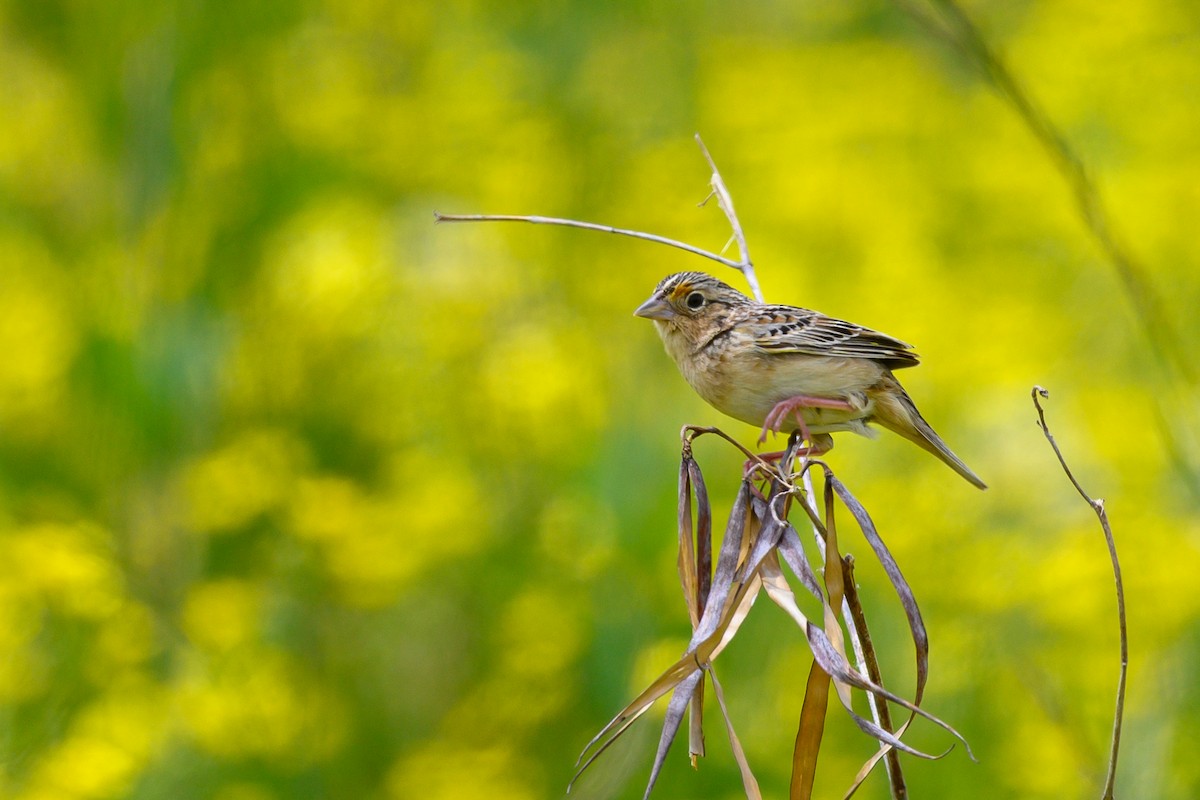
655	308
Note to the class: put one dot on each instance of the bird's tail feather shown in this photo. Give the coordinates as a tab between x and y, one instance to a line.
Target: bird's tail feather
895	410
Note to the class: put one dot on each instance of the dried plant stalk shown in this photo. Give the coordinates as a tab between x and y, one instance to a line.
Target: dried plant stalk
1098	507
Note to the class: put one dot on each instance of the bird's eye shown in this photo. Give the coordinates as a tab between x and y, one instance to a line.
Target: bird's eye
694	301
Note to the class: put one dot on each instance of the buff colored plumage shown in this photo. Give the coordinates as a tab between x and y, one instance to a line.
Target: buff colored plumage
764	363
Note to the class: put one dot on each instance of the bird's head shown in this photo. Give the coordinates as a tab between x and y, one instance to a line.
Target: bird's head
688	303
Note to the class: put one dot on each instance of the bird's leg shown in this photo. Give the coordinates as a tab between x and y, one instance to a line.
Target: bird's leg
795	405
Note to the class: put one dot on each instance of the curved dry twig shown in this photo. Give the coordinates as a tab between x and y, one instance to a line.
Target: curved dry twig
590	226
1098	506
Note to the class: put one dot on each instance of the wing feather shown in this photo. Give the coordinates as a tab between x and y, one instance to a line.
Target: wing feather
785	329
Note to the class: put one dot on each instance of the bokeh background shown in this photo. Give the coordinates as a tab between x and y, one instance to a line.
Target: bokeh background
302	496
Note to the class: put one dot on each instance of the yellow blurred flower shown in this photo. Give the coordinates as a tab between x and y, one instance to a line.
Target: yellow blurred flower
69	567
38	334
248	477
260	703
539	635
328	270
126	639
42	160
220	615
107	745
540	386
448	771
373	545
539	638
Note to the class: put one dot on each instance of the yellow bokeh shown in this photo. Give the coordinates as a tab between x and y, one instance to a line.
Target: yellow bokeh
443	771
221	615
374	546
577	534
67	567
1035	755
301	492
47	162
260	703
533	388
37	332
539	637
108	745
87	767
128	639
328	269
246	478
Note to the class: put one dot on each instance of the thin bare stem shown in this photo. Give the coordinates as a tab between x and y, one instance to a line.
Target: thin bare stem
1098	506
861	662
725	201
881	713
692	432
591	226
719	190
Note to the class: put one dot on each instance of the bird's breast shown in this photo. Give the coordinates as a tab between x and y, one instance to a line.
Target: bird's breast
731	374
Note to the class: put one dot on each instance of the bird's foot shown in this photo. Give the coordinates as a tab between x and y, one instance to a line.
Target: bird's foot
796	405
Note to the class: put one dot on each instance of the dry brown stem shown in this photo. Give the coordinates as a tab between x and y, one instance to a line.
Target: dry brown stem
1098	506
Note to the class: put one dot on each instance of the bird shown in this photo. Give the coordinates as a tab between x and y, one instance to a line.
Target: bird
764	364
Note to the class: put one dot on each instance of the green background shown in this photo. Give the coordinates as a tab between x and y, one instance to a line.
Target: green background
303	496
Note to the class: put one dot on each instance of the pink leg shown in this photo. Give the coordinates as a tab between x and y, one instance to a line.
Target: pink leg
794	405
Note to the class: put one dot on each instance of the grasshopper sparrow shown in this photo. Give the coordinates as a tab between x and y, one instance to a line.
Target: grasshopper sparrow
765	363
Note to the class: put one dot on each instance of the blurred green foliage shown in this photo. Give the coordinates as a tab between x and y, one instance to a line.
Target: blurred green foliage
301	496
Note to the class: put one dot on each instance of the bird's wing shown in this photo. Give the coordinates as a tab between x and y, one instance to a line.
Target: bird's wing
784	329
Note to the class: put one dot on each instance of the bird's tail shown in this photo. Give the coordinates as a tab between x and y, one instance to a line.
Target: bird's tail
895	410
